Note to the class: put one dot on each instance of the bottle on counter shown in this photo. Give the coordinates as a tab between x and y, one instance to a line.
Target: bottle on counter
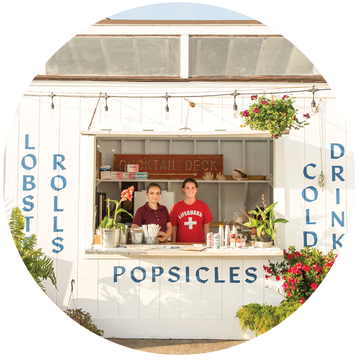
210	240
234	231
227	235
217	241
221	232
232	240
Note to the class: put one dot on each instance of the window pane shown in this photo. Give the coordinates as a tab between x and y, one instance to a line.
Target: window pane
246	56
117	56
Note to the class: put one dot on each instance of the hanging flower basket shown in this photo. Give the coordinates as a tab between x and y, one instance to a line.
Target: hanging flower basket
273	115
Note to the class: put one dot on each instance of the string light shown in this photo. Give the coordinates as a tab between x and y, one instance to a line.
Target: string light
235	108
106	96
167	113
314	108
52	106
313	103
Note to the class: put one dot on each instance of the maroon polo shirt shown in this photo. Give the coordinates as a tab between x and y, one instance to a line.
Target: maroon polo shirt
146	215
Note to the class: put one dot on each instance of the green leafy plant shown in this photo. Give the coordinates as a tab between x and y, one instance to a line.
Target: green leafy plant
110	223
38	264
274	115
263	220
84	319
261	318
301	271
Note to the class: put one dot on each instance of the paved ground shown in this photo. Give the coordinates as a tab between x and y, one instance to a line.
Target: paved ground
176	346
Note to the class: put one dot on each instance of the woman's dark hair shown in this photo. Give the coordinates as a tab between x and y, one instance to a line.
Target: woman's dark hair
153	184
189	180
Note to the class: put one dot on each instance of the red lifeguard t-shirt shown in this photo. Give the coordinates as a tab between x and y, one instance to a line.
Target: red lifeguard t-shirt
190	220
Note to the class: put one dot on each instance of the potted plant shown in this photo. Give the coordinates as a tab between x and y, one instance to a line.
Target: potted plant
250	222
109	228
264	222
83	318
274	115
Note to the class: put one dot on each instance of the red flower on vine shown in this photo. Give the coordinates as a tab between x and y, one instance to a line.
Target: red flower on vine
313	286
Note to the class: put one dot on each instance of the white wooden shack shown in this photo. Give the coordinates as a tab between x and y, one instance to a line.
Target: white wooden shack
50	164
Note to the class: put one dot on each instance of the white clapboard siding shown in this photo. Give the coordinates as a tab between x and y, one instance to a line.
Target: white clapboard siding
161	308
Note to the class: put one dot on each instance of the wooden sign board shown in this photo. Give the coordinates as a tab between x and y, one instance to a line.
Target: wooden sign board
171	166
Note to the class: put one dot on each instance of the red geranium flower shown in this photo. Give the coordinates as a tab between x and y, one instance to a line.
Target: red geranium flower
253	97
256	110
302	300
306	267
313	286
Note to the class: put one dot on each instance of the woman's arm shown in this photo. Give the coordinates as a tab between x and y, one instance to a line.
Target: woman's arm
206	230
162	236
134	226
173	235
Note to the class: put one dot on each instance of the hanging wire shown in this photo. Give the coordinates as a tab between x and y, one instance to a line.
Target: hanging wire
175	95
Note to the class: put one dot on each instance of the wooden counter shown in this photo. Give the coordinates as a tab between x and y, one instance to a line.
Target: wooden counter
179	250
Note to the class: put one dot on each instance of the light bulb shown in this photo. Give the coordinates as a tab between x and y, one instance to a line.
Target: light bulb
167	113
235	111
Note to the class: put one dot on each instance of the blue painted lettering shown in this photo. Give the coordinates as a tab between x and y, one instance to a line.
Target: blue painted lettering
28	203
56	204
33	162
232	275
56	226
337	241
337	174
217	276
133	274
116	275
172	273
315	194
58	163
198	274
138	274
335	217
28	183
313	234
154	274
253	276
306	173
27	147
342	151
337	196
27	223
308	222
54	187
60	246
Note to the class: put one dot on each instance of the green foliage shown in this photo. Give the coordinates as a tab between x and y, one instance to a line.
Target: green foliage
261	318
39	266
84	319
263	220
110	223
301	273
274	115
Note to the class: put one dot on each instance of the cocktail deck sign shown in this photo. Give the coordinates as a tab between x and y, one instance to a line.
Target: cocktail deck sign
160	166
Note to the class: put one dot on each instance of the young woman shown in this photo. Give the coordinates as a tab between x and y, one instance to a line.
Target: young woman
190	217
154	213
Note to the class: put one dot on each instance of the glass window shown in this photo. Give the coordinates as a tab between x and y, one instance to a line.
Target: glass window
117	56
246	56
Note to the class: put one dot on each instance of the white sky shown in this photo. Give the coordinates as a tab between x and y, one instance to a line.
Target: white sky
179	11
